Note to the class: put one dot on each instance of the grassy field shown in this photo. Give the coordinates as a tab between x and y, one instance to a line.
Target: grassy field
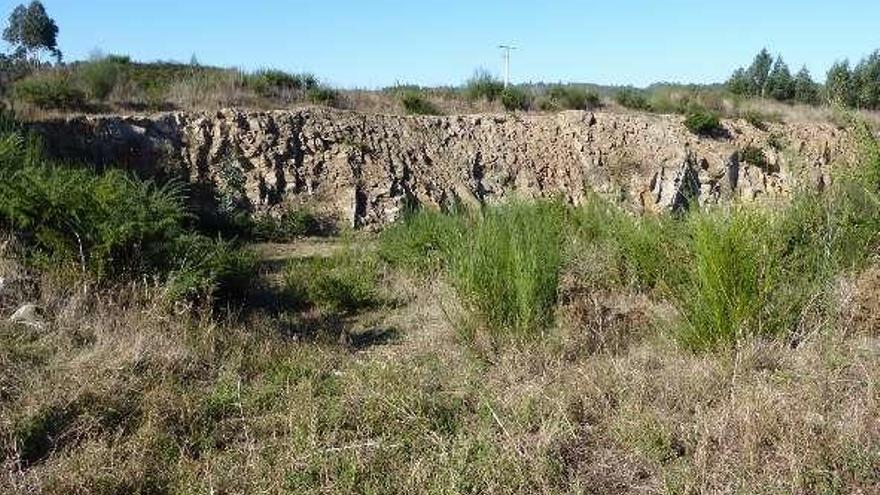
531	347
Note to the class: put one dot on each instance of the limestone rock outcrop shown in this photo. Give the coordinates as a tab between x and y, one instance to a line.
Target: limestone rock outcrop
366	168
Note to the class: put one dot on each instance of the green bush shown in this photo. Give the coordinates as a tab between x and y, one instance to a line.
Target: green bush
756	119
755	156
506	269
342	283
102	221
633	99
50	91
571	98
422	241
100	77
287	226
733	279
514	98
274	83
733	273
703	122
323	95
416	104
483	86
206	267
109	223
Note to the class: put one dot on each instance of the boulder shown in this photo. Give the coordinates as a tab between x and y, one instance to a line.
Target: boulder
30	315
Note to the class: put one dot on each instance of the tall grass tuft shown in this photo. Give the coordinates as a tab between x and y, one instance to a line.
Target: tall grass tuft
732	279
506	269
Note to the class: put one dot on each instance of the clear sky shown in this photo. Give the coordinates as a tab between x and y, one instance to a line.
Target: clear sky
371	43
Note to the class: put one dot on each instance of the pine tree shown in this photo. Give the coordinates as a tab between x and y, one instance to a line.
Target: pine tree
805	89
866	82
780	85
739	83
839	85
759	71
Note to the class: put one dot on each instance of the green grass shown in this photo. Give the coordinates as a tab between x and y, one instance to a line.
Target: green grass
503	261
342	283
732	273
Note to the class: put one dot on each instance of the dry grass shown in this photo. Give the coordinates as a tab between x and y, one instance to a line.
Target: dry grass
123	395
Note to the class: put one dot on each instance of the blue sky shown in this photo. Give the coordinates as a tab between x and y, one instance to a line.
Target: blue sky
371	43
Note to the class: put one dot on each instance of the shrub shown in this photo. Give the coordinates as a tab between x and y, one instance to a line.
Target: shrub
275	83
208	268
287	226
732	281
50	91
633	99
703	122
755	156
104	221
571	98
415	103
482	85
345	282
323	95
100	77
756	119
513	98
110	223
506	268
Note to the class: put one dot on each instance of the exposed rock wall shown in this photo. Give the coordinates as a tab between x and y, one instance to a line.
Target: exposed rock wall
365	168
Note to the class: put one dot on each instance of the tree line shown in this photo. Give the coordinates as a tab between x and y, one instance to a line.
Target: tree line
857	87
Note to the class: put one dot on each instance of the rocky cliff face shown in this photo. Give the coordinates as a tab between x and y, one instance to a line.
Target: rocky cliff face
366	168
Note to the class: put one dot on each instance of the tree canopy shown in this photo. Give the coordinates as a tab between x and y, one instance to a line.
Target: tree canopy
30	30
